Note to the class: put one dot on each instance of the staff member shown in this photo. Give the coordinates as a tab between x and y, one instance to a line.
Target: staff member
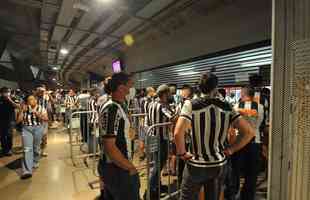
210	119
120	176
160	112
32	116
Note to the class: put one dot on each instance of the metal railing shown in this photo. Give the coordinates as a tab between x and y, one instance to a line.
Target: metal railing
75	139
153	146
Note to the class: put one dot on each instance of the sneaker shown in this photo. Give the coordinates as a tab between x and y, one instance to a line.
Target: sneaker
26	176
163	188
153	196
10	153
36	165
44	154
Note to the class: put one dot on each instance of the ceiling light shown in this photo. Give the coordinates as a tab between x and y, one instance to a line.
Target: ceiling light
55	68
54	79
81	5
64	51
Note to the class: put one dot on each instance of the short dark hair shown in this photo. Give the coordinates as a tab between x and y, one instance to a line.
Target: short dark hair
250	91
162	89
4	90
222	91
116	80
256	80
208	82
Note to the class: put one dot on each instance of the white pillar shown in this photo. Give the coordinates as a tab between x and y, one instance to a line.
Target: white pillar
289	166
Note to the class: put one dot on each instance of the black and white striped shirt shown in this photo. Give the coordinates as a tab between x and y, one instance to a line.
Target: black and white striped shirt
145	103
43	101
210	119
159	113
71	101
92	106
30	119
114	123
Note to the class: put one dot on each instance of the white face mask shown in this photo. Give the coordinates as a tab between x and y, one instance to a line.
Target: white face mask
7	94
131	95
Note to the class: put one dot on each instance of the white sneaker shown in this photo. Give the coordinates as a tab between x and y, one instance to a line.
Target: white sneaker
44	154
36	165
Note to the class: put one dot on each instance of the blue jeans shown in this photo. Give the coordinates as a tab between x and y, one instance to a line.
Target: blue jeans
195	177
31	137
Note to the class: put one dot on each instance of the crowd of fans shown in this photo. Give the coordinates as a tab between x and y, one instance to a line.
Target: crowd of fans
216	138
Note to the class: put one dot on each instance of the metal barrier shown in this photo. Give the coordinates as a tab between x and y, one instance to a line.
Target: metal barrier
138	116
153	146
74	123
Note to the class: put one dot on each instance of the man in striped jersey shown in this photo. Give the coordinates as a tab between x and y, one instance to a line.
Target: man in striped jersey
71	103
160	112
248	158
145	102
121	179
209	118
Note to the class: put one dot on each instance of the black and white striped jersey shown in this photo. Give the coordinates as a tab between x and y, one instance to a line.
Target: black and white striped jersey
30	119
144	108
42	101
210	119
71	101
144	104
114	123
92	106
159	113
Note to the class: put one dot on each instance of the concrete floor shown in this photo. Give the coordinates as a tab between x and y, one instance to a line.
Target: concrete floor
56	178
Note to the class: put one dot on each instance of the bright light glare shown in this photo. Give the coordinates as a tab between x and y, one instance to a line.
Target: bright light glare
54	79
188	73
64	51
55	68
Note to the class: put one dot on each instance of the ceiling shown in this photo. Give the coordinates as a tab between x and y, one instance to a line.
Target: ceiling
91	30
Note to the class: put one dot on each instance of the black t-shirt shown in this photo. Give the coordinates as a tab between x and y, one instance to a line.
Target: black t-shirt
7	110
112	124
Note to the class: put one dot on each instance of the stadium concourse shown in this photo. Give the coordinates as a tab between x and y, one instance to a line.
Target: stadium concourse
154	100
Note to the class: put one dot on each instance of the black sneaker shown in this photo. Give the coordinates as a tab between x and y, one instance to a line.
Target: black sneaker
26	176
163	188
10	153
153	195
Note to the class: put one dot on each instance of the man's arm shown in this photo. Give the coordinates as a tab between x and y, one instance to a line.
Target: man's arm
261	115
179	137
15	105
117	157
247	134
183	124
